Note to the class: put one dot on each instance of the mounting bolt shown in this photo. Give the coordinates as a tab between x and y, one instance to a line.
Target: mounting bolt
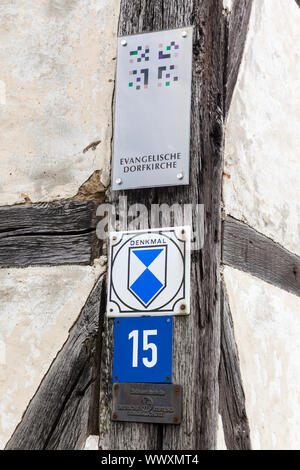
116	377
118	181
182	307
177	389
124	42
175	420
111	309
167	378
180	176
115	416
184	34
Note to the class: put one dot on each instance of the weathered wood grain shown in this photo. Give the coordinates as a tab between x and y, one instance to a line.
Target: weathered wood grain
232	398
246	249
237	21
62	413
196	338
50	233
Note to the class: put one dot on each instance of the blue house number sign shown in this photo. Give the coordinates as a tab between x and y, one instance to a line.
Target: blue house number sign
143	349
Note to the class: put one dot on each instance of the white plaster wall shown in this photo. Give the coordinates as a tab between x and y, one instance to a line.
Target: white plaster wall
38	307
57	65
91	443
227	4
221	444
262	140
267	325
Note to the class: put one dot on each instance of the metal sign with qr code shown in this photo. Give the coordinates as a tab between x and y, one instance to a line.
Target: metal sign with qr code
152	109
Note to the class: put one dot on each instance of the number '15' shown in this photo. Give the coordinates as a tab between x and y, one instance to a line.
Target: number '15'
134	335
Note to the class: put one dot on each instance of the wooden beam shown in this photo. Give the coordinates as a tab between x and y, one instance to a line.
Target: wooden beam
64	232
232	398
197	337
246	249
237	21
60	232
65	408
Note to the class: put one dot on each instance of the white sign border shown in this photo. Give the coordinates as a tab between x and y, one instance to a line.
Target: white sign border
182	233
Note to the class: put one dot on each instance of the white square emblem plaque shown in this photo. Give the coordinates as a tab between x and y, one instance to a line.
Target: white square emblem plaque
149	272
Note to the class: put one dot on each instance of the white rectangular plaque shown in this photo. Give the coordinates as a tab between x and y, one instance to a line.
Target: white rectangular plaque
149	272
152	109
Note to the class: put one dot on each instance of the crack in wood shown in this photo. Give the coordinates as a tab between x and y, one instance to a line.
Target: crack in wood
11	233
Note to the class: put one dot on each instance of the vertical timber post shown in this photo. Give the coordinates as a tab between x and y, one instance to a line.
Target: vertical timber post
196	344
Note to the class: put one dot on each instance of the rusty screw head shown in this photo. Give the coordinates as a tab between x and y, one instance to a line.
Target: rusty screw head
118	322
175	420
116	377
177	389
182	307
111	309
115	416
167	378
182	231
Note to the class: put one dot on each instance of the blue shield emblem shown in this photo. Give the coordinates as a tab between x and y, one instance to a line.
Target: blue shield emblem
147	272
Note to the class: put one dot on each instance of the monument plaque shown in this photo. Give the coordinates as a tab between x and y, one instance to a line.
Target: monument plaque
149	272
152	109
147	403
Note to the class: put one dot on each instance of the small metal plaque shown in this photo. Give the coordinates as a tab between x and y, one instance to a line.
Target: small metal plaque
152	109
147	403
149	272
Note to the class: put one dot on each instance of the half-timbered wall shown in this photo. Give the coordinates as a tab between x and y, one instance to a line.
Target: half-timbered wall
56	85
261	187
56	109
